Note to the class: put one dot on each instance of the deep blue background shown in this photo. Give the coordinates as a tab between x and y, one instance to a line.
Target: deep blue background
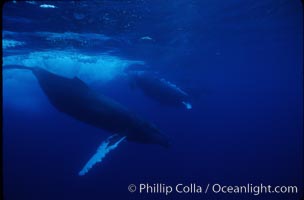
247	128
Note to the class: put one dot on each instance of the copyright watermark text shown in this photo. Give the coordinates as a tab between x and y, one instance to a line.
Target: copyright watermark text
216	188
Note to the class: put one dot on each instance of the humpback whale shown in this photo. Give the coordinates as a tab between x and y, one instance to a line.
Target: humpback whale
74	98
159	89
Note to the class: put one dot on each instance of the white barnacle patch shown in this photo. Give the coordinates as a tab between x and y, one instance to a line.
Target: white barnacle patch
146	38
31	2
188	105
47	6
173	86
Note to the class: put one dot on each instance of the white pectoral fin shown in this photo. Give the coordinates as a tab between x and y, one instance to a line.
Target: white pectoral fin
188	105
104	148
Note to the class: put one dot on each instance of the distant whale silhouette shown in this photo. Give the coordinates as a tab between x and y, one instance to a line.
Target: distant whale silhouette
159	89
73	97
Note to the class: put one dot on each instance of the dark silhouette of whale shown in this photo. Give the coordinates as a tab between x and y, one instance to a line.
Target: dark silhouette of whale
159	89
73	97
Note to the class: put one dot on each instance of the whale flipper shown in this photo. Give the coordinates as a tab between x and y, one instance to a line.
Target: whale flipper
105	147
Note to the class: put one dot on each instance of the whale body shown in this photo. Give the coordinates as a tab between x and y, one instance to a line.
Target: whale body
73	97
159	89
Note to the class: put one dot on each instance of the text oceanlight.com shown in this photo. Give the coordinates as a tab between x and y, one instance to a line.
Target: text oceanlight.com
194	188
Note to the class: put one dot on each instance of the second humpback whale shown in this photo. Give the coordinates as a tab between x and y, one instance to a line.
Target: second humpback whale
73	97
159	89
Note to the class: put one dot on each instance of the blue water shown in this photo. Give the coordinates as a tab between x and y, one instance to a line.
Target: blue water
240	59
